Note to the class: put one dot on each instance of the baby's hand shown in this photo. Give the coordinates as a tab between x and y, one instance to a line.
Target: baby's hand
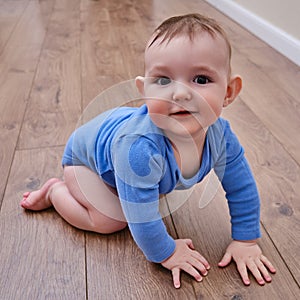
187	259
247	254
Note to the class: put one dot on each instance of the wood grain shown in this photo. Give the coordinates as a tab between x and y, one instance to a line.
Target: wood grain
10	14
62	62
18	62
102	64
116	267
277	109
41	256
55	100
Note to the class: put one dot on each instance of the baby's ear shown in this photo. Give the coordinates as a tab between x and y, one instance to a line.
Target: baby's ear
139	82
233	89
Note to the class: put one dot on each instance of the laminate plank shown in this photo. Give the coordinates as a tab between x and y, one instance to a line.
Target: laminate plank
274	106
41	256
128	27
209	228
10	13
35	17
278	177
117	269
105	64
102	64
55	100
18	62
279	69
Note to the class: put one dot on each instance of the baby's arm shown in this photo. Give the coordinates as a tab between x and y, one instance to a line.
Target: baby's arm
244	206
248	255
239	184
139	172
175	255
187	259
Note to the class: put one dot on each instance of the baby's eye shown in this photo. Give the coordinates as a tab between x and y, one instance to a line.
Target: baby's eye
201	79
163	80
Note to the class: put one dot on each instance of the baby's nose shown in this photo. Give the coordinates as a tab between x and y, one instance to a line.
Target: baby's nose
181	92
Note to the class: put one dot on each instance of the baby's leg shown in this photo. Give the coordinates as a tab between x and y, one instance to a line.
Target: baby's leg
83	200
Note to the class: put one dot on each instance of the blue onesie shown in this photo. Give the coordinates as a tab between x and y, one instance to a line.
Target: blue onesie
134	156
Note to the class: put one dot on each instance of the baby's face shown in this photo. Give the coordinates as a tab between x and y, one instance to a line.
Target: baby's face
186	82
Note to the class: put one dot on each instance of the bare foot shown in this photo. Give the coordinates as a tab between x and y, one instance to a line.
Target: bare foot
39	199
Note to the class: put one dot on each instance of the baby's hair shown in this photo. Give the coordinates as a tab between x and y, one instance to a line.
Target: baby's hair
189	24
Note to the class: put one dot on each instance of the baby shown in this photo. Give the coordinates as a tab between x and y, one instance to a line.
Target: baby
117	165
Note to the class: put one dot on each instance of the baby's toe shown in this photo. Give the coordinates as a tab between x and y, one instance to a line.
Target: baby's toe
26	194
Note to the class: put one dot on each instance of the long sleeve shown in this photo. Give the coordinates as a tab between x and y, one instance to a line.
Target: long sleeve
139	166
238	182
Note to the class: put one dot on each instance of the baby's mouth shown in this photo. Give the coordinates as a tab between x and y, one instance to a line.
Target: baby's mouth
181	113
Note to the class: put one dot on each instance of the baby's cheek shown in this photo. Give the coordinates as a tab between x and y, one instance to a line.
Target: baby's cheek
217	109
157	106
215	106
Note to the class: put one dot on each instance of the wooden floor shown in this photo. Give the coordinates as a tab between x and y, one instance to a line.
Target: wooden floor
56	56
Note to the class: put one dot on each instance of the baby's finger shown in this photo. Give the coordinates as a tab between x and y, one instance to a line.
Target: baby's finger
189	243
176	277
243	272
268	264
201	259
254	269
225	260
188	268
198	265
263	270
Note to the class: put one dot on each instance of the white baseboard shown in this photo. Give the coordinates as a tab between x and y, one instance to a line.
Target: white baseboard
284	43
